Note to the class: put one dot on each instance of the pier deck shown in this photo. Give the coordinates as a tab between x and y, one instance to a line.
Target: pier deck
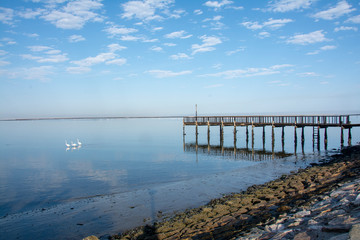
322	121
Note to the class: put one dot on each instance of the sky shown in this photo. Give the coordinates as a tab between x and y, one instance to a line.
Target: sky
64	58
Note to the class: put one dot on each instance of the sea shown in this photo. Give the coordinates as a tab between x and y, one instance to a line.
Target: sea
117	174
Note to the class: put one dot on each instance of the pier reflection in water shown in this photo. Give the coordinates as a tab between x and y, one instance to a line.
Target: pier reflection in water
259	152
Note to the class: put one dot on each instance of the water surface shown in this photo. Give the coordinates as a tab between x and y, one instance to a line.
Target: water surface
129	172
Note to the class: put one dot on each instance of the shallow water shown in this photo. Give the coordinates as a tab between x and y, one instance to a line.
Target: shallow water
129	172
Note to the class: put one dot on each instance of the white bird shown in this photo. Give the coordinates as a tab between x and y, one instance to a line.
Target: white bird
73	144
78	142
66	144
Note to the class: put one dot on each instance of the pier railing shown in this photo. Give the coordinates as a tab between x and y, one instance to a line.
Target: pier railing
308	120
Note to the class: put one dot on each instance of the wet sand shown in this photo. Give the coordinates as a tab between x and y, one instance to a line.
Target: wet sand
235	215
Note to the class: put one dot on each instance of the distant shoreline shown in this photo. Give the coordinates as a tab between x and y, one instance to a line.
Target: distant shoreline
84	118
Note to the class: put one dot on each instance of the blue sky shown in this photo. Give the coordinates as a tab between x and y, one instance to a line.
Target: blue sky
161	57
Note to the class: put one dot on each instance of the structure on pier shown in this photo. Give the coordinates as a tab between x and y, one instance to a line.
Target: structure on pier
314	121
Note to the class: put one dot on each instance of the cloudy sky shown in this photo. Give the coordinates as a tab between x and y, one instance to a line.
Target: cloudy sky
161	57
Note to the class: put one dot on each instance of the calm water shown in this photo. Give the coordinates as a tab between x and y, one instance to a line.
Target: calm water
129	172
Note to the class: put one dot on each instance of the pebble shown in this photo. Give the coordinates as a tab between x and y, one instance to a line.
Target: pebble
335	216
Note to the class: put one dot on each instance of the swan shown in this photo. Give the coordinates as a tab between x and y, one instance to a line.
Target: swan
66	144
73	144
78	142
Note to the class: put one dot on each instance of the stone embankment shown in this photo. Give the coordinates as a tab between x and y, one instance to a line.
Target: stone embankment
319	202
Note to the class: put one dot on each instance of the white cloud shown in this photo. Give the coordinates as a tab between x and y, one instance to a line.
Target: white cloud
354	19
328	47
250	72
241	49
129	38
156	49
107	58
324	48
215	23
75	14
170	44
157	28
198	12
308	74
30	13
178	34
3	52
264	34
115	47
339	10
167	74
270	23
100	58
115	30
39	48
78	70
49	59
180	56
304	39
76	38
289	5
217	4
52	55
3	63
32	35
8	41
118	61
6	15
342	28
38	73
146	9
207	45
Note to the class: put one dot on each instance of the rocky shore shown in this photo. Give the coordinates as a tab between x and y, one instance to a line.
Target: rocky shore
319	202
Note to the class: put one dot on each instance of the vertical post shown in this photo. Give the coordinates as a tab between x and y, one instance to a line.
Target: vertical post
325	139
247	136
252	137
295	139
208	136
342	137
349	139
222	134
263	138
318	139
302	141
283	138
235	137
273	141
302	135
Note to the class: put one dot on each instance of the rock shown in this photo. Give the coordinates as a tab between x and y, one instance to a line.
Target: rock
357	200
91	238
302	236
344	236
274	227
337	229
355	232
302	214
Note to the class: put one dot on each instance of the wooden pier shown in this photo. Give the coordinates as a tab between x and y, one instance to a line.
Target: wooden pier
302	121
275	121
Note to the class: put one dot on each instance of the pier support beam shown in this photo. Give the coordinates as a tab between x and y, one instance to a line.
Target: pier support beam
283	138
295	140
263	138
252	137
349	137
273	140
325	139
342	137
247	136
